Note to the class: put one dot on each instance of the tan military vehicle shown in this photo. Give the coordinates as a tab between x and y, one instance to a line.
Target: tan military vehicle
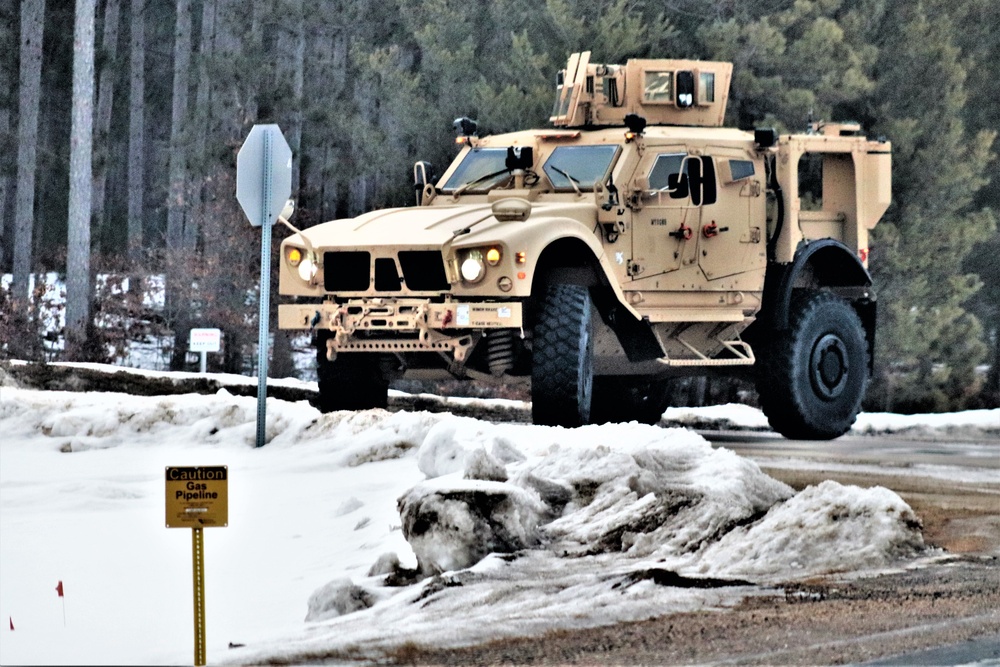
635	241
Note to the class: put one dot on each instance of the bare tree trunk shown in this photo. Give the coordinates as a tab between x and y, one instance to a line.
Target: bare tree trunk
201	115
993	374
8	15
178	162
177	314
78	282
105	96
282	361
32	20
298	76
254	45
136	130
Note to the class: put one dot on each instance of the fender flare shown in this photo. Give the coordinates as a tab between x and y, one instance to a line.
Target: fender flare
834	266
633	332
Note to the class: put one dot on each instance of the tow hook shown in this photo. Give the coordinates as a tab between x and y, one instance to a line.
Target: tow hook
683	233
712	229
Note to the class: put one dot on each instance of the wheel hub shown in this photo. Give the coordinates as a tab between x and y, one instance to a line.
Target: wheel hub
829	366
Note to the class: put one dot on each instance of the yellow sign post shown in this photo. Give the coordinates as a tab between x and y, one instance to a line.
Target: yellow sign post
198	497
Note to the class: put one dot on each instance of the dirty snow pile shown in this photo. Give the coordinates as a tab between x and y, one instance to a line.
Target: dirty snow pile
352	533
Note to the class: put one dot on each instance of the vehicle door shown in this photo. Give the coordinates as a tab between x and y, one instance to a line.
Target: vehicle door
667	213
731	240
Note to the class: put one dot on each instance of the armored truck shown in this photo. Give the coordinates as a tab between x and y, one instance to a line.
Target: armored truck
634	241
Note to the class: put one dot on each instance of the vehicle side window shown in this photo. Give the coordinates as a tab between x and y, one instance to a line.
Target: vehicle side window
666	165
682	176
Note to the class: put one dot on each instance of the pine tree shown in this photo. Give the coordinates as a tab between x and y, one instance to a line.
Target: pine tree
917	251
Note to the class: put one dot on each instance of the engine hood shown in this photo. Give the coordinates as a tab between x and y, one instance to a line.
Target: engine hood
433	226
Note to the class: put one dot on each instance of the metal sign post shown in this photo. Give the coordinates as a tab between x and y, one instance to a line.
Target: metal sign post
198	497
263	183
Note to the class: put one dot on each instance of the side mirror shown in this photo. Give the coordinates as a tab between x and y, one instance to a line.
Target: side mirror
423	174
677	186
519	157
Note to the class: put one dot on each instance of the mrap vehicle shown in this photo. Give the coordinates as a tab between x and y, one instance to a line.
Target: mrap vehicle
635	241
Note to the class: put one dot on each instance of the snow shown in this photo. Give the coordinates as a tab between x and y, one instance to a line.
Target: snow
351	534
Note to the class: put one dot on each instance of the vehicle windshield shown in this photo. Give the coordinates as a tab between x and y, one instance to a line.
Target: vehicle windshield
479	163
585	165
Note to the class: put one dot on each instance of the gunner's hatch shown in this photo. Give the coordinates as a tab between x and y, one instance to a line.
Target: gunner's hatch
663	91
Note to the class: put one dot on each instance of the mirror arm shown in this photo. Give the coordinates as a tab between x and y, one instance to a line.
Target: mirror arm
305	241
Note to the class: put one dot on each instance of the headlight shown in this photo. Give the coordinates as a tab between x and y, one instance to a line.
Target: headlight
302	261
473	268
307	269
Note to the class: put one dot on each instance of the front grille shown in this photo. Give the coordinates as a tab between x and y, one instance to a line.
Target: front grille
423	270
386	277
353	271
348	271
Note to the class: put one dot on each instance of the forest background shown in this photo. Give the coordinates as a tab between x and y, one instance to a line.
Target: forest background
121	119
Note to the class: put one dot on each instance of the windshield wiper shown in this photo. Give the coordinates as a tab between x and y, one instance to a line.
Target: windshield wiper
479	180
572	181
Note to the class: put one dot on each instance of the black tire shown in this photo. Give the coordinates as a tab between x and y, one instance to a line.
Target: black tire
352	381
626	399
814	375
562	370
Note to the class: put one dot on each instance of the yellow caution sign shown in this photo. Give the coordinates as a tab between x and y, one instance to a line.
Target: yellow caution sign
198	498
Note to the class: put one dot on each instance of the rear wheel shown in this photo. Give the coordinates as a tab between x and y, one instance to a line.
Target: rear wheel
814	375
562	372
352	381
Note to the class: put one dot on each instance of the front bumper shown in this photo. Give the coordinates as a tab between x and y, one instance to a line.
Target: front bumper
419	325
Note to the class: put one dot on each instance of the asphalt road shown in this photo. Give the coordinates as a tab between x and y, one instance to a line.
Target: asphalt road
953	485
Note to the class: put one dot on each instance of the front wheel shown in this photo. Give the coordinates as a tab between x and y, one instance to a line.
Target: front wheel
814	375
562	371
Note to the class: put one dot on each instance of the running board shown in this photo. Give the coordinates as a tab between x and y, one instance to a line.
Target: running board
742	351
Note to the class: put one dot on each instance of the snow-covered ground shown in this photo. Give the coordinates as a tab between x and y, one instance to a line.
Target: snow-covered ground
601	524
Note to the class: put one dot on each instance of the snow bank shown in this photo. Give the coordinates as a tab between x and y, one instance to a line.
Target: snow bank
641	491
828	527
381	528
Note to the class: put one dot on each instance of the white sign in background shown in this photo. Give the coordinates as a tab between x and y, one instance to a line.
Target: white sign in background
205	340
